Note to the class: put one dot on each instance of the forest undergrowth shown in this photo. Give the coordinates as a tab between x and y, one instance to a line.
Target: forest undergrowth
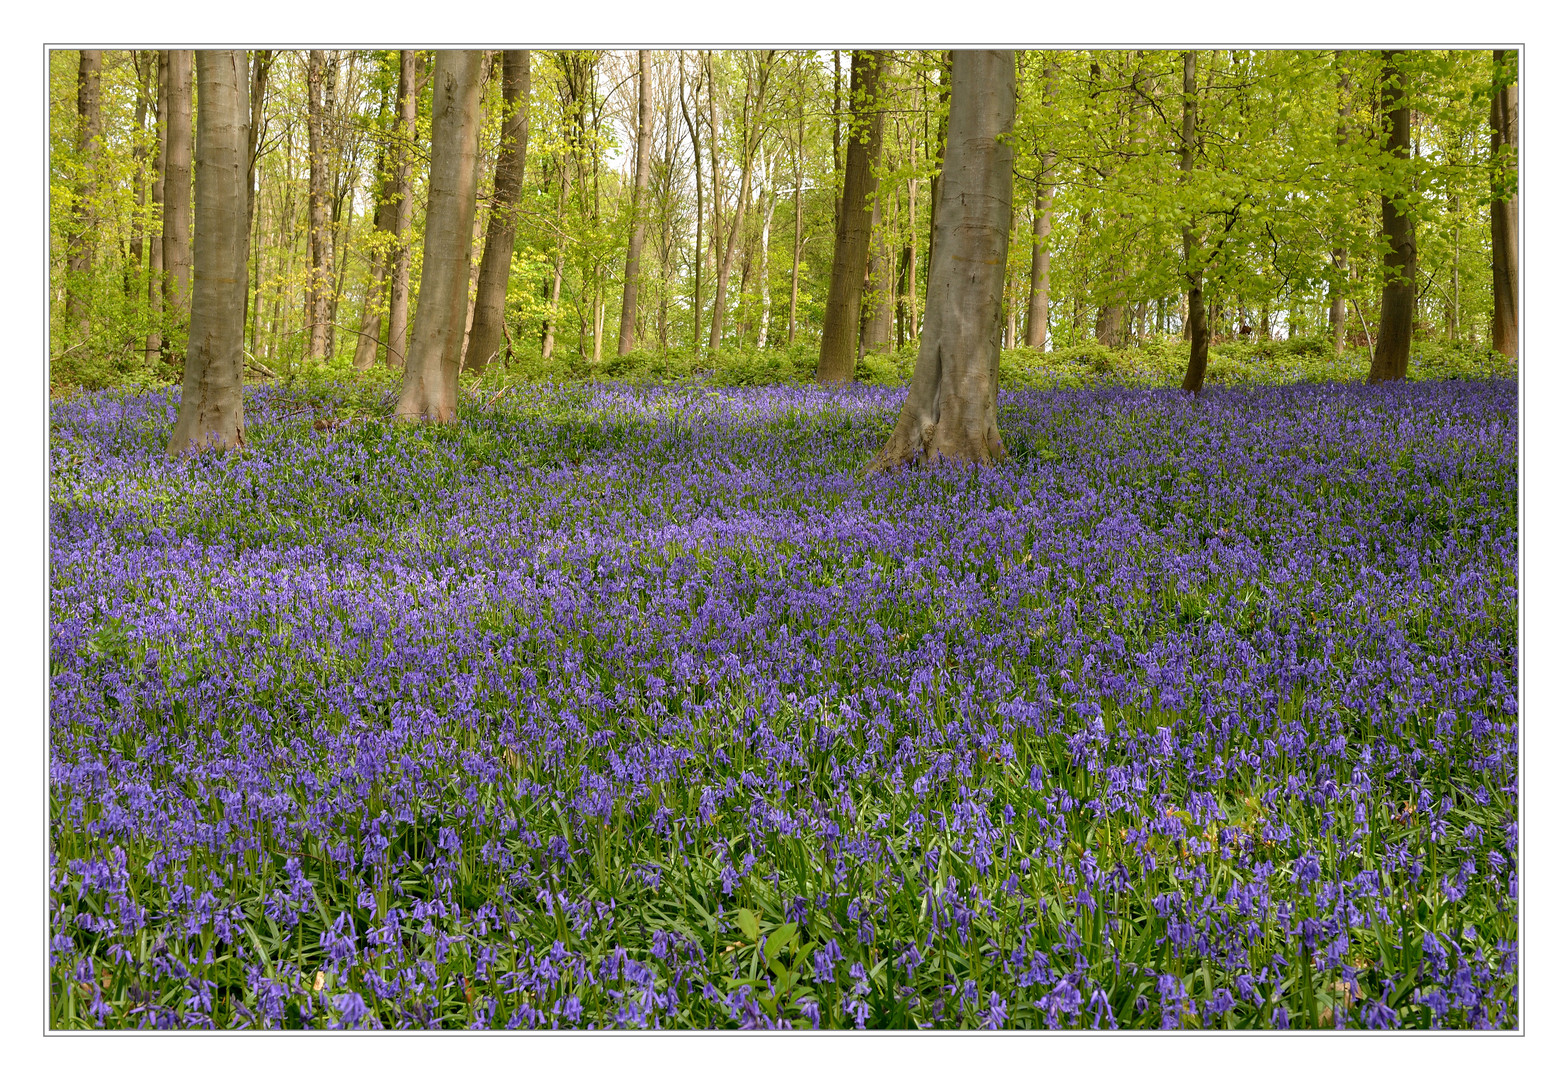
620	705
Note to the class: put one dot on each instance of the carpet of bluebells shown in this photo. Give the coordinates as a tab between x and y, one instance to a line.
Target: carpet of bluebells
616	706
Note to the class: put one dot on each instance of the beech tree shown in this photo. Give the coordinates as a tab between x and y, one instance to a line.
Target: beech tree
1392	357
852	238
495	267
430	375
211	412
628	335
950	413
177	190
89	119
1504	122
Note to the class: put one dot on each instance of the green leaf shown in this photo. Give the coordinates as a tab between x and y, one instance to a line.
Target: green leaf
746	921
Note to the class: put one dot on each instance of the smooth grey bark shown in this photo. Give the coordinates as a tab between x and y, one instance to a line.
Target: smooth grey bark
211	412
1197	309
430	376
155	284
693	127
495	267
320	273
177	192
144	105
751	135
79	244
1037	323
1336	308
950	413
628	335
841	320
876	330
408	81
1505	208
1391	359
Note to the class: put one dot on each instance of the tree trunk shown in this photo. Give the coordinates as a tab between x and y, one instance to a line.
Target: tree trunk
177	195
1336	308
841	322
316	285
155	285
1505	207
402	224
79	261
144	105
1197	329
749	140
1037	327
763	285
794	265
211	412
696	158
430	377
380	264
1392	357
950	413
876	330
628	335
495	268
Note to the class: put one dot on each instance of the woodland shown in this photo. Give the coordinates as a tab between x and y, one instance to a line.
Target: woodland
837	539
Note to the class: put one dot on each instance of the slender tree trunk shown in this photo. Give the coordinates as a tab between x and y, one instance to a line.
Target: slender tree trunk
910	269
1505	207
1037	327
366	346
763	285
1392	356
402	223
877	328
794	265
139	155
696	158
1197	310
155	273
79	261
944	94
211	397
628	335
841	323
495	269
320	275
950	413
1341	257
260	68
430	377
177	196
1037	324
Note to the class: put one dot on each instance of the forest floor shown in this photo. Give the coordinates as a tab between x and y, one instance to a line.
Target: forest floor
632	705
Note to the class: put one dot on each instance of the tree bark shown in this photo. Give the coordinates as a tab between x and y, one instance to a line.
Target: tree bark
495	268
144	105
177	194
628	335
430	376
409	65
696	157
211	412
950	413
794	265
841	322
320	274
1197	310
876	330
79	261
1336	308
155	278
1395	325
1505	209
1037	326
757	85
